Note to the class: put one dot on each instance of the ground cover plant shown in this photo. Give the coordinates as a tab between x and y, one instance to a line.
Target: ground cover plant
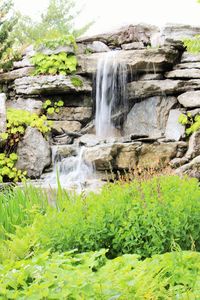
127	242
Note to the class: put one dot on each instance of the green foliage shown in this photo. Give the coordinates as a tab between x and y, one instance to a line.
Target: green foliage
92	276
76	81
50	107
7	21
144	218
61	64
8	171
55	42
193	45
192	123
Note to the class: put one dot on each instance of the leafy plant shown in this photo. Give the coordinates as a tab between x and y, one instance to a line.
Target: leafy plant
55	42
192	45
76	81
61	63
50	107
8	171
192	123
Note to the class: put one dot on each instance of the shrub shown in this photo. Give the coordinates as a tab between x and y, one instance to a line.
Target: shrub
92	276
143	218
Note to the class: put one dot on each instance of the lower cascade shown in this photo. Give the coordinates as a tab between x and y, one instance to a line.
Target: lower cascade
111	107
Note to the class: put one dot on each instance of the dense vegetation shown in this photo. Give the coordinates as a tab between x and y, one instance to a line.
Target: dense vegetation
56	245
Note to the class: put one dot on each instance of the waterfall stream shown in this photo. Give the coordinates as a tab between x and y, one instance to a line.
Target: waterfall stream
111	107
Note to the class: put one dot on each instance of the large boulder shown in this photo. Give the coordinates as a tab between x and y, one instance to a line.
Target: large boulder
190	99
146	89
48	84
34	153
149	117
2	112
81	114
153	60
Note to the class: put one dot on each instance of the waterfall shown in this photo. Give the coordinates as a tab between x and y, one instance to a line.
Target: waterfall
111	100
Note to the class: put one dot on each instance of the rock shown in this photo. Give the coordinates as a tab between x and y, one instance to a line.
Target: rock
133	46
71	126
48	84
62	140
188	65
153	60
46	51
137	136
89	140
174	130
149	117
190	57
146	89
153	156
29	51
81	114
124	35
178	162
191	169
2	113
29	104
64	150
183	73
194	112
179	31
190	99
151	77
15	74
34	153
102	156
194	145
25	62
97	46
128	156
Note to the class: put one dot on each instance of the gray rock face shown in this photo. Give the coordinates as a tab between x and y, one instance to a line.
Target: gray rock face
71	126
153	60
32	105
174	130
188	65
133	46
190	99
146	89
25	62
2	112
34	153
183	73
64	150
128	156
49	85
157	76
180	32
191	169
189	57
81	114
127	34
149	117
194	145
97	47
12	75
89	140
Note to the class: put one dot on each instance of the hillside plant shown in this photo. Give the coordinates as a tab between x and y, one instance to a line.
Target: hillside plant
55	64
192	123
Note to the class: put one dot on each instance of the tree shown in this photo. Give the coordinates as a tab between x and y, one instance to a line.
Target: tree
6	25
56	21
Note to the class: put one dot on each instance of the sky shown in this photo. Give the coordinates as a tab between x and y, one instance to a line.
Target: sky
112	14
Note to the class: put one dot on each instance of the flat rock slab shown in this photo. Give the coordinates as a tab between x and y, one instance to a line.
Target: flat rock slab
29	104
188	65
81	114
189	57
146	89
153	60
71	126
47	84
174	130
183	73
15	74
190	99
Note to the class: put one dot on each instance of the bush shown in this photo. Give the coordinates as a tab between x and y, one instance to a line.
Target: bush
143	218
92	276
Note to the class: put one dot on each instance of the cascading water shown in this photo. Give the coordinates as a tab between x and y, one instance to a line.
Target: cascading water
111	108
111	97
